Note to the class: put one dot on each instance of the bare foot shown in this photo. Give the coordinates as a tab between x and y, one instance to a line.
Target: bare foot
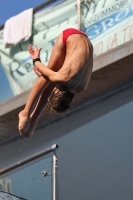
23	123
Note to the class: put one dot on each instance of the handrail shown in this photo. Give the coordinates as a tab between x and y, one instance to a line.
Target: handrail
37	8
22	162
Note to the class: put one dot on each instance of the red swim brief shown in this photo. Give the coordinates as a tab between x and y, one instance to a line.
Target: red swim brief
71	31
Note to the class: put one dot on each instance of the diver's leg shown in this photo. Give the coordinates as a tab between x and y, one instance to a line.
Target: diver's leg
57	55
40	85
39	108
55	63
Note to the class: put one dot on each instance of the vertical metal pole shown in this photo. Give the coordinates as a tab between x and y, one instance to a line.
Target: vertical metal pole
54	177
79	14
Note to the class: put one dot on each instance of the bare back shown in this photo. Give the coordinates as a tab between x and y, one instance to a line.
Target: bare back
78	64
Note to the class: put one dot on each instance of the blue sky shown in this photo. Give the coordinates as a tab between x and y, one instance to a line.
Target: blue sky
9	8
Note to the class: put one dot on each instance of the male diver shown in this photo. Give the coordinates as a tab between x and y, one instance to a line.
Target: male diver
68	72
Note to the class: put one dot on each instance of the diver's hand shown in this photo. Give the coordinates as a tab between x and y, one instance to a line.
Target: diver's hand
39	74
34	52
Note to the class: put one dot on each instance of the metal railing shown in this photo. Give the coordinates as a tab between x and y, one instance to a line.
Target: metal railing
33	157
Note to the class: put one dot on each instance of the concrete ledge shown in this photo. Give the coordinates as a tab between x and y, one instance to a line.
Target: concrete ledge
14	103
113	55
104	83
99	62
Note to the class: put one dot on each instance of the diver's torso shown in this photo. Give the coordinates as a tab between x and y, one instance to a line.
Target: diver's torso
78	63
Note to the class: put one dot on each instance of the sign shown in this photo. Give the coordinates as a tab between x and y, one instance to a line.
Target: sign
108	24
47	26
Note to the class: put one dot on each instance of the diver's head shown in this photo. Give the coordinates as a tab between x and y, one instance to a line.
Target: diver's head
60	99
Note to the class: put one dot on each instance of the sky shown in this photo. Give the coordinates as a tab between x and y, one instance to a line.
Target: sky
10	8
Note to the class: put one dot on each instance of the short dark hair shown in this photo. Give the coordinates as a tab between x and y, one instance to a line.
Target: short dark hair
60	102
